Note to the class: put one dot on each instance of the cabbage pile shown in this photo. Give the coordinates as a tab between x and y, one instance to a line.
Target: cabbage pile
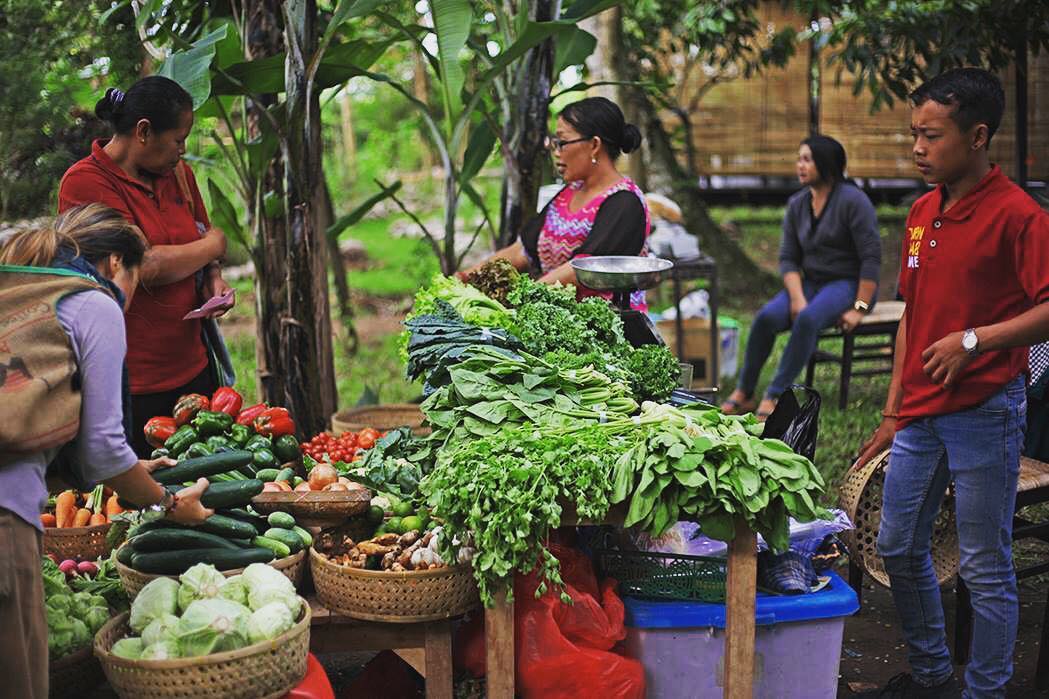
205	612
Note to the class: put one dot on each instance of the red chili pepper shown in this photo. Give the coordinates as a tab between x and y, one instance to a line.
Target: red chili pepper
158	429
247	415
187	406
274	422
226	400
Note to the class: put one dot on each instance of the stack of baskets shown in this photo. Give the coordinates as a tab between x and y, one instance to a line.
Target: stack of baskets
401	598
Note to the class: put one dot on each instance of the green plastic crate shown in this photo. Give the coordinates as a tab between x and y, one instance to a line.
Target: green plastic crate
654	575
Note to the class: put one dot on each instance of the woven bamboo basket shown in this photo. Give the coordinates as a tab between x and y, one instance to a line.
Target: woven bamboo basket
268	669
75	675
399	598
315	508
88	543
380	417
292	567
860	496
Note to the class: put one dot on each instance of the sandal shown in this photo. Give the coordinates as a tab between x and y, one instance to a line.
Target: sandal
763	415
731	406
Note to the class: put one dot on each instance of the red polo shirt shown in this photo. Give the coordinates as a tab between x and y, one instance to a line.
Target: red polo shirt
983	261
164	351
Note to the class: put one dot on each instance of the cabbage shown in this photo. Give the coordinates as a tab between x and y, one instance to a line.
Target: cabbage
163	628
65	633
267	584
96	618
212	626
163	650
158	597
235	590
202	581
130	648
268	622
83	601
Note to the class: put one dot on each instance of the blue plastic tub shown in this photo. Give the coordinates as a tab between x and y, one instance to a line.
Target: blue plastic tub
797	644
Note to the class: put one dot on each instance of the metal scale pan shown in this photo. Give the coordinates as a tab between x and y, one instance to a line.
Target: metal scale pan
623	275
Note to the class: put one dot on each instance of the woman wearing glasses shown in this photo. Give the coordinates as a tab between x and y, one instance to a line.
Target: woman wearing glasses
598	212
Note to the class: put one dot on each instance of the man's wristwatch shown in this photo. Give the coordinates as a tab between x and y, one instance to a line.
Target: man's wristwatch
971	343
160	510
861	306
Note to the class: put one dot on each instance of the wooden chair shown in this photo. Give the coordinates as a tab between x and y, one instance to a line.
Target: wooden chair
882	324
1032	487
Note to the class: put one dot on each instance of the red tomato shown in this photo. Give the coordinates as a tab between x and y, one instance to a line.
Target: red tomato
369	432
366	441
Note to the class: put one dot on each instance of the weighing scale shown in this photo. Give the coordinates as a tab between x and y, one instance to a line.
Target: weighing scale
623	275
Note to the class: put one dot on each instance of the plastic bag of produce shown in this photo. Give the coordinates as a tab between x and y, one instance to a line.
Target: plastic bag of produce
202	581
130	648
163	628
235	590
213	626
158	597
268	622
564	650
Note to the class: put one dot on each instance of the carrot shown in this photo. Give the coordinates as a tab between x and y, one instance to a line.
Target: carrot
97	518
65	508
113	507
82	517
48	520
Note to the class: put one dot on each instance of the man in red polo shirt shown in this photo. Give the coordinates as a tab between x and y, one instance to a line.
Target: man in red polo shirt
974	274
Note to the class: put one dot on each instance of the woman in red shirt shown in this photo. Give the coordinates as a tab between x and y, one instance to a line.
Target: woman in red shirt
140	173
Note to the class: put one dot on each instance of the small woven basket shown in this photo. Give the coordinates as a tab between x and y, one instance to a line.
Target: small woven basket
292	567
860	497
400	598
380	417
87	543
268	669
313	508
75	675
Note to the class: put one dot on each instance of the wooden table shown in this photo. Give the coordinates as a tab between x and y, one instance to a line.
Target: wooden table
427	646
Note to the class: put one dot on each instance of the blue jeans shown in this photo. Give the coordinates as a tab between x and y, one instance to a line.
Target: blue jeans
979	449
826	304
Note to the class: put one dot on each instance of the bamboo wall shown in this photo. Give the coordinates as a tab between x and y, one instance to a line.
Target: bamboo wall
753	126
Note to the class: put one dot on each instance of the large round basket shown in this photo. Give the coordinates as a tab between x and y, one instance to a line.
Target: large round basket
267	669
381	417
87	543
75	675
860	497
400	598
315	508
292	567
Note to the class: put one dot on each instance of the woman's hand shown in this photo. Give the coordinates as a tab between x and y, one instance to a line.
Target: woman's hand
878	442
215	285
849	320
797	305
188	509
163	462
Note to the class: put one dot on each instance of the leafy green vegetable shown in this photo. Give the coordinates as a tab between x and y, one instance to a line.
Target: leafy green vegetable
158	597
268	622
130	648
201	581
212	625
653	372
495	279
163	628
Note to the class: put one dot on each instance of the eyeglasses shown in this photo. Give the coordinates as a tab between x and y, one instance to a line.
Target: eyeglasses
555	143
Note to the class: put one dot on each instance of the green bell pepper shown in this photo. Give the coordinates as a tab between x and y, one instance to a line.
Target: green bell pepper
286	447
240	434
264	458
199	449
158	453
210	423
219	442
180	441
259	442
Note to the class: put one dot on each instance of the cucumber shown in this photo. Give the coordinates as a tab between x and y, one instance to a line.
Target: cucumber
228	527
202	467
124	555
230	494
267	474
282	520
276	548
178	539
243	515
286	474
306	537
287	537
177	562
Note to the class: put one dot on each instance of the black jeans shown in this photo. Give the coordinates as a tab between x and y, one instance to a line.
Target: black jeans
147	405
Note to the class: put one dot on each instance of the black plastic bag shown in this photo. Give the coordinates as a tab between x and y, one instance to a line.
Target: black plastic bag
797	425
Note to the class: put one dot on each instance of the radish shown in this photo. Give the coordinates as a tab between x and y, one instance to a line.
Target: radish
87	568
68	567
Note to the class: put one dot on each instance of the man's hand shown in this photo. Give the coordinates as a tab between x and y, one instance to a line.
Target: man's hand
163	462
796	307
849	320
878	442
218	240
188	509
215	285
945	360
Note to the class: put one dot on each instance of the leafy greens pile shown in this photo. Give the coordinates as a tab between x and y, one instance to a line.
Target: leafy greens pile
73	618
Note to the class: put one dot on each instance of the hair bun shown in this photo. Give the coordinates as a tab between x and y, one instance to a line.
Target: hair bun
109	106
631	139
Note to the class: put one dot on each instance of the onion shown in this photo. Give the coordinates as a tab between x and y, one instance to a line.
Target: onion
272	487
87	568
303	487
336	487
68	567
322	475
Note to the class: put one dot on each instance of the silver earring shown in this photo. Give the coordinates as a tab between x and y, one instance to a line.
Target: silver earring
593	161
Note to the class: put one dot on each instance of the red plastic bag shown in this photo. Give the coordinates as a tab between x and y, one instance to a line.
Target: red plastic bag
564	650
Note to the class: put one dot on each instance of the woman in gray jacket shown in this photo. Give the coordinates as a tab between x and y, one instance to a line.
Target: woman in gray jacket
830	256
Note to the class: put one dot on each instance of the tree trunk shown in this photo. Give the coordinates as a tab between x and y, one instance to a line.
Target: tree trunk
263	39
338	270
524	134
305	338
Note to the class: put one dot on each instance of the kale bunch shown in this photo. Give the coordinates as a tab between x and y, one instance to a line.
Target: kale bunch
653	372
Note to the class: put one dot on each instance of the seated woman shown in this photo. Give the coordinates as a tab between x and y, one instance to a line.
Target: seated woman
599	211
76	277
830	257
